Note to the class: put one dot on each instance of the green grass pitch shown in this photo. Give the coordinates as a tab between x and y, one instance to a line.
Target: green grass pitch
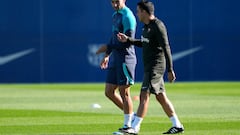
205	108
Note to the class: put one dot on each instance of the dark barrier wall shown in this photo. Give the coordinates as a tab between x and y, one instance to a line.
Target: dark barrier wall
55	40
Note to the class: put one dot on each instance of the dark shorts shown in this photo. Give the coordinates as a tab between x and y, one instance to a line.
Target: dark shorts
153	82
122	75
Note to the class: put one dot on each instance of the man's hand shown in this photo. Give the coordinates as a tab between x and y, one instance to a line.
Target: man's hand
122	37
101	49
171	76
104	62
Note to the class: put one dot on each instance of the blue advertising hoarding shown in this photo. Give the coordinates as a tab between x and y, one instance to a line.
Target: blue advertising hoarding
55	40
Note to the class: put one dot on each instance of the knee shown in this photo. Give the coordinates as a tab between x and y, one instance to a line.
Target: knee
162	99
124	93
109	94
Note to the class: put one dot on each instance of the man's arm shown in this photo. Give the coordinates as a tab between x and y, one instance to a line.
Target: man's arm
162	37
123	45
104	62
126	39
134	41
163	40
104	49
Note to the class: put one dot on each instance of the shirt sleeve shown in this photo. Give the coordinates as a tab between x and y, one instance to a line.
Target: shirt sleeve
129	23
136	42
162	37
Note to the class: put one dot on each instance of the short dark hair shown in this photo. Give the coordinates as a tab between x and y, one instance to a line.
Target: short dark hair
147	6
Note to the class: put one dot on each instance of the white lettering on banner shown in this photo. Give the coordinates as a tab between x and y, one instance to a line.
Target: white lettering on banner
92	57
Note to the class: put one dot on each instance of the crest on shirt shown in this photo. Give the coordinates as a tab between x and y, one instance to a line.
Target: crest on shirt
148	30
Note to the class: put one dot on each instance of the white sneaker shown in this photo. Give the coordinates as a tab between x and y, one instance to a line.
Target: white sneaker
175	130
129	131
125	127
117	133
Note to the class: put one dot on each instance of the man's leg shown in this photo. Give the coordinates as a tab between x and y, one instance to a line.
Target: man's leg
166	104
127	104
143	104
125	79
142	110
110	92
170	111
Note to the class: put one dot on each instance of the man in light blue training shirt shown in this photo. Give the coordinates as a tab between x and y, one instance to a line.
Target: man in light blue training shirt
120	61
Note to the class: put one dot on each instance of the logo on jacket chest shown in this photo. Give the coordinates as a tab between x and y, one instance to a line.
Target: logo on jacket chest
145	36
143	39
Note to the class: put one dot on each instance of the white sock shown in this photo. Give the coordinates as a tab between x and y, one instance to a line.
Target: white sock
175	121
137	123
133	116
128	120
